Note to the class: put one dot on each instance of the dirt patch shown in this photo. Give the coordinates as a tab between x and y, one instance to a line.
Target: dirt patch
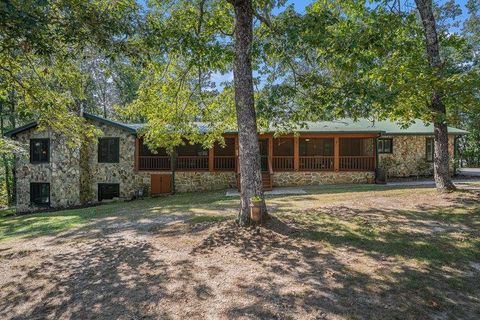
375	255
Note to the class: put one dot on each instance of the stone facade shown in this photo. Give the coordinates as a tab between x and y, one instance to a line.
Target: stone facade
409	156
203	181
62	172
123	172
74	174
303	178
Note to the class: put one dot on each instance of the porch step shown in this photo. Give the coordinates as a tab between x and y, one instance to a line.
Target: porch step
266	181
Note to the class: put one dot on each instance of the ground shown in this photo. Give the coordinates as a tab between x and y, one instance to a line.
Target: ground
363	252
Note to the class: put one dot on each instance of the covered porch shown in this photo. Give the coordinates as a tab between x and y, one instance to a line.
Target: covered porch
313	152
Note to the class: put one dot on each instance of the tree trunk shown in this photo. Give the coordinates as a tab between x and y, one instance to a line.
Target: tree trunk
250	172
441	157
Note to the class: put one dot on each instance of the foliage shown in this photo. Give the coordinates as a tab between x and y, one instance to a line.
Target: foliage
343	58
39	51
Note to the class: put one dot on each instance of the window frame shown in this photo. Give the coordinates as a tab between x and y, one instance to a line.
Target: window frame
107	184
117	156
427	139
32	142
382	150
41	204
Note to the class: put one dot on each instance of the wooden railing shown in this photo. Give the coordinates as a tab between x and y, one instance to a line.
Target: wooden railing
320	163
154	163
357	163
224	163
282	163
192	163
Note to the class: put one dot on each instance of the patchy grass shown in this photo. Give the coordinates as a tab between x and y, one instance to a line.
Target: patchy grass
7	212
356	252
50	223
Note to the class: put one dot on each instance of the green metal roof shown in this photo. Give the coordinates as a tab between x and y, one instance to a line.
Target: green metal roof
362	125
345	125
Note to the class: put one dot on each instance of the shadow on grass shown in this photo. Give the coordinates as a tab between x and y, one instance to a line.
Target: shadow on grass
410	271
334	262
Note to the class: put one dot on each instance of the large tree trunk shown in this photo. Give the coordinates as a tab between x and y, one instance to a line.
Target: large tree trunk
441	157
250	172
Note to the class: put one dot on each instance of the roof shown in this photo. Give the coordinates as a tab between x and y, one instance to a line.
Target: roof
386	127
130	127
346	125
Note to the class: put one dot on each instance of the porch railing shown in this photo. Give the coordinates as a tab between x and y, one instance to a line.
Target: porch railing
154	163
192	163
320	163
357	163
224	163
282	163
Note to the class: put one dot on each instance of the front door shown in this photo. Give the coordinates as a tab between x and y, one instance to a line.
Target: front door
263	143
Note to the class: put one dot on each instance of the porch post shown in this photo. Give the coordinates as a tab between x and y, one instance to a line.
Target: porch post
211	159
270	152
137	154
336	154
236	154
296	153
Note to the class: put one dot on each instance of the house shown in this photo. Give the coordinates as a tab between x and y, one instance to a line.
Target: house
120	165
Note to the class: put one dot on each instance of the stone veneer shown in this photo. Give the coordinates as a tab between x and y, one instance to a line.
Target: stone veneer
74	174
62	172
408	157
203	181
122	172
302	178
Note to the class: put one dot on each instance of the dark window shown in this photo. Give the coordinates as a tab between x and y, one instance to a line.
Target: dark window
40	193
108	150
283	147
385	145
429	149
108	191
39	150
316	147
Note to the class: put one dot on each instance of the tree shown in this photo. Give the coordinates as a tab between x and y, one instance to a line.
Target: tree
343	58
250	171
443	181
187	43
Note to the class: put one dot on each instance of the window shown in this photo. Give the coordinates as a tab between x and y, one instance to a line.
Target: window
39	150
40	194
385	145
108	191
429	149
316	147
108	150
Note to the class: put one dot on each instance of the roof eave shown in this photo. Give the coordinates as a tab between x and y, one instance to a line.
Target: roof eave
109	122
18	130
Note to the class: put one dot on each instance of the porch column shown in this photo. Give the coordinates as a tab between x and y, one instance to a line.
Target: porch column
270	152
237	153
336	154
211	159
296	153
137	154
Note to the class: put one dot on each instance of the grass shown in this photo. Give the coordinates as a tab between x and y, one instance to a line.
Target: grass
401	238
202	207
353	252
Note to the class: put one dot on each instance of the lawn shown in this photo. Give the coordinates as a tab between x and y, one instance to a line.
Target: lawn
361	252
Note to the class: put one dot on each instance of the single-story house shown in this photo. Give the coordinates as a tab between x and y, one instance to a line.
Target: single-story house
121	166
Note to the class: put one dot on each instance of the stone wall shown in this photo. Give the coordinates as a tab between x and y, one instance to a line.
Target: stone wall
301	178
203	181
122	172
408	156
62	172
